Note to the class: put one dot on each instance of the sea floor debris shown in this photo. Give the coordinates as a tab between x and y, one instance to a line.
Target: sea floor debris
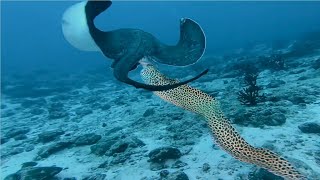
76	124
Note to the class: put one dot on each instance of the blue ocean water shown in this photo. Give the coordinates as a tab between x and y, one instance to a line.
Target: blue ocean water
63	112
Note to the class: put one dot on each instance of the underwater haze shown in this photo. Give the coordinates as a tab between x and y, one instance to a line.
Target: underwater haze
254	116
32	37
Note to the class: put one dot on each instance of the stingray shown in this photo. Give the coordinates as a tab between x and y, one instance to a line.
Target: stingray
126	47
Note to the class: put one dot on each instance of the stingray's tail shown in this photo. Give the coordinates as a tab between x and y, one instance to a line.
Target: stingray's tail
161	87
121	70
224	134
78	24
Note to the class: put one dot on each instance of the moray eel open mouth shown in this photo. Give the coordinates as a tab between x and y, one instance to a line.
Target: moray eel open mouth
127	46
224	134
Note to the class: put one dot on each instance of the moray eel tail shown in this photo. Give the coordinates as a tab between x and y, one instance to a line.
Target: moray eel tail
229	139
222	131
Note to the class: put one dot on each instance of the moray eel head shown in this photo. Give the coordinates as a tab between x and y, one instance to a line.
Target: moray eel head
151	75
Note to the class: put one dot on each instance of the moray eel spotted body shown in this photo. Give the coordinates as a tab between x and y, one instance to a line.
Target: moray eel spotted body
224	134
127	46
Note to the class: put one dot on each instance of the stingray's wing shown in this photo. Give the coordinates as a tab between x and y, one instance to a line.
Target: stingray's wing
189	49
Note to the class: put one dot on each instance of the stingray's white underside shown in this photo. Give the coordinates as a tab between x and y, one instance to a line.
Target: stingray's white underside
75	28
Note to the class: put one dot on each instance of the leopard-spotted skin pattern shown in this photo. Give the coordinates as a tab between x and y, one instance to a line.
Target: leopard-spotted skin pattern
222	131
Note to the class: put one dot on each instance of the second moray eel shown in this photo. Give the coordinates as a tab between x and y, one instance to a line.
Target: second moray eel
224	134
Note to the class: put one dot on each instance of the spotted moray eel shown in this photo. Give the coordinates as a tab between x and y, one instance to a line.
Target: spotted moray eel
224	134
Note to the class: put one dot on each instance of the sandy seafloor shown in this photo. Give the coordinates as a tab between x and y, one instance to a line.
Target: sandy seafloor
165	125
